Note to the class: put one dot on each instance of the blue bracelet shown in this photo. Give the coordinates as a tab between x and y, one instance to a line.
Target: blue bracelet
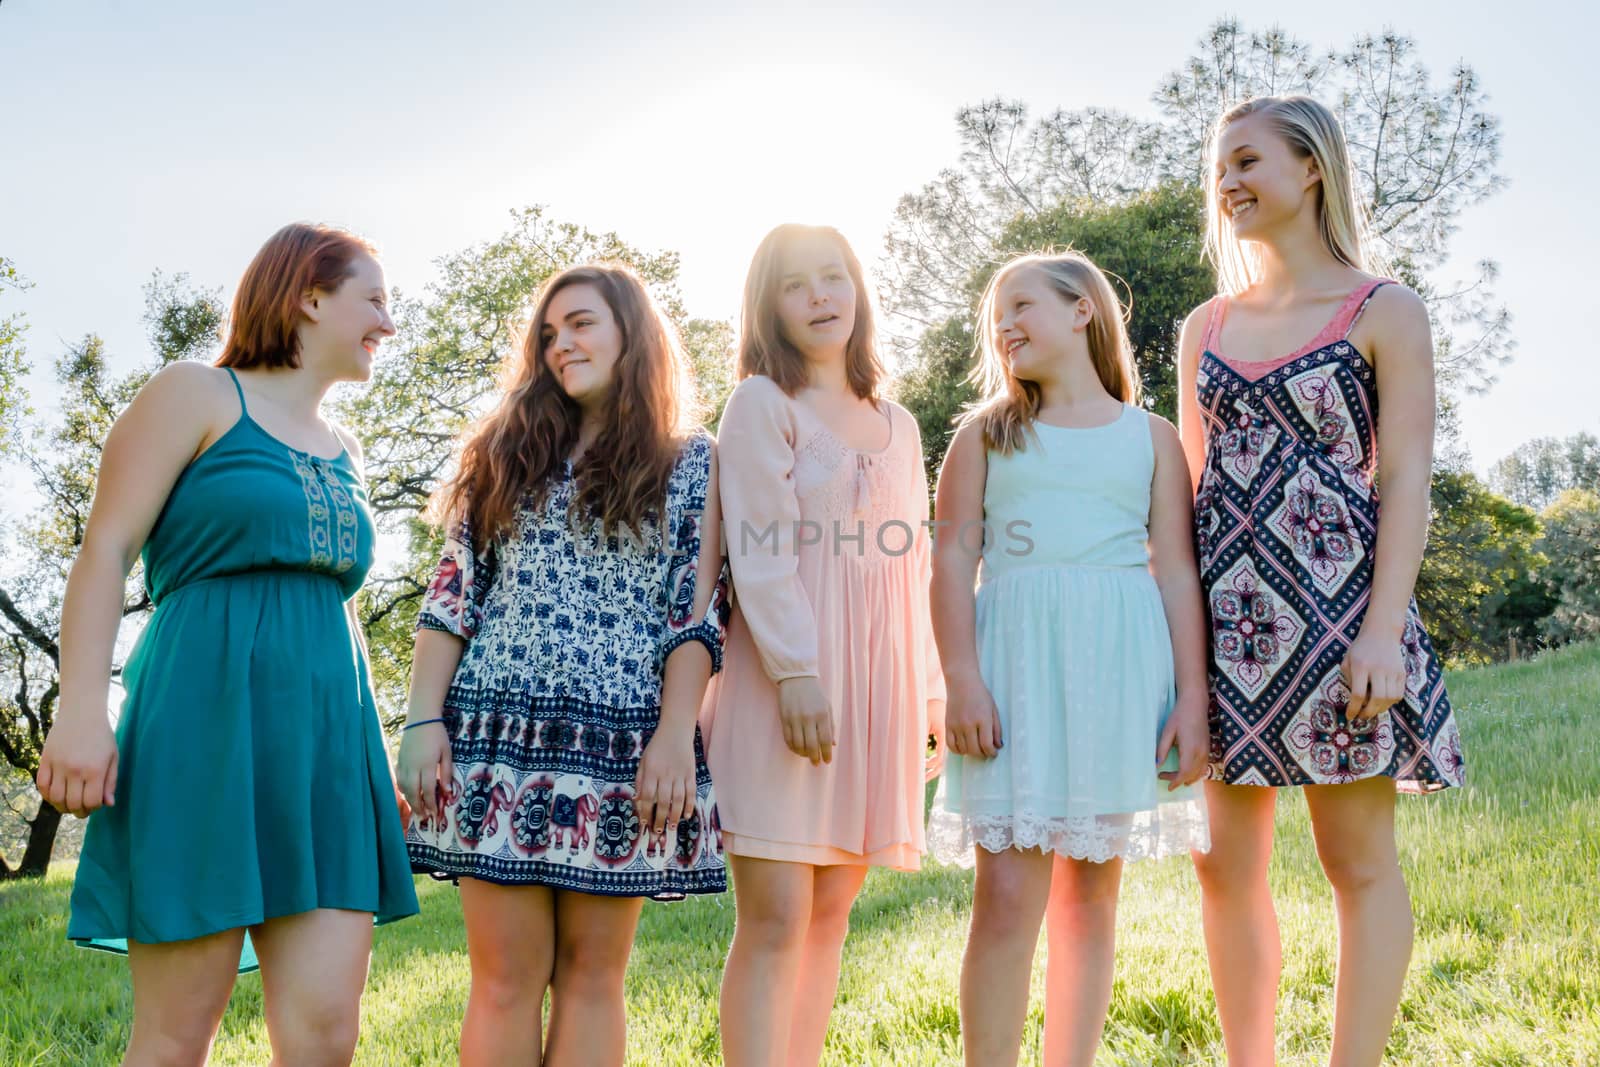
414	725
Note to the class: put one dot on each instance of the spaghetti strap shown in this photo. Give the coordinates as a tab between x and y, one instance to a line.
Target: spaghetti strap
1219	308
1361	306
244	409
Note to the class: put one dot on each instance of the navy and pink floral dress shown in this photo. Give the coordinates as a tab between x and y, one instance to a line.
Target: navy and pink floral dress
559	691
1286	524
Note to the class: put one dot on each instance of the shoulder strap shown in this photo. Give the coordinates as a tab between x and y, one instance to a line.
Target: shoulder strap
1219	306
244	409
1361	306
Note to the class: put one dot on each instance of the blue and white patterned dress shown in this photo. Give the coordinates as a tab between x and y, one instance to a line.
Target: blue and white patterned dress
559	691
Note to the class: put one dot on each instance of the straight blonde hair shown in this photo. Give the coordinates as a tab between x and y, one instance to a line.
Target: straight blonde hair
1007	405
1313	132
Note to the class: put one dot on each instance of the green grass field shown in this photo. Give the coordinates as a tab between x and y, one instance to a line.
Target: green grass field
1505	875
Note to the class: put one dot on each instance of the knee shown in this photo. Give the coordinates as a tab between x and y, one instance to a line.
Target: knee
1091	890
591	965
1351	872
1005	906
773	928
506	984
1222	873
319	1034
168	1047
830	921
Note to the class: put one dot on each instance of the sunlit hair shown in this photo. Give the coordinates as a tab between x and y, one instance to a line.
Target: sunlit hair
517	449
298	259
1007	405
763	348
1312	131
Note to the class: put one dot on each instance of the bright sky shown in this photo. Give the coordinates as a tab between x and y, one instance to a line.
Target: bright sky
178	134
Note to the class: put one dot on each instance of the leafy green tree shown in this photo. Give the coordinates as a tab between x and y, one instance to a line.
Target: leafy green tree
13	398
1476	588
1571	542
1540	470
62	459
1423	151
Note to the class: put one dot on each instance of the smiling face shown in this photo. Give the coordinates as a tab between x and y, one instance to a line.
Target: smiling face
581	341
816	298
1035	324
344	327
1262	182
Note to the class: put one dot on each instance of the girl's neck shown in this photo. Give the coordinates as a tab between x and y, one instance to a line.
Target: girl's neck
298	391
825	373
589	425
1297	262
1077	385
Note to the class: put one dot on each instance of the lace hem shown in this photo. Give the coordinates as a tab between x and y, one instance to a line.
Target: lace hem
1168	830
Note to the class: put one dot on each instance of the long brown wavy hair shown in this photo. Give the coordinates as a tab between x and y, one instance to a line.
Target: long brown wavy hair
516	451
763	349
1007	405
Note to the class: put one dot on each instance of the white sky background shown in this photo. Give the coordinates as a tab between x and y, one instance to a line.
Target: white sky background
178	135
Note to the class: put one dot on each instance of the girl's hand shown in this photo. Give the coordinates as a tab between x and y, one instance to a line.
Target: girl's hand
664	790
807	719
78	767
1187	727
971	721
425	771
933	762
1375	670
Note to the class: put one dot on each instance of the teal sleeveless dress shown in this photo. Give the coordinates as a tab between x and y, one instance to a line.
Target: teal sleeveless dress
252	778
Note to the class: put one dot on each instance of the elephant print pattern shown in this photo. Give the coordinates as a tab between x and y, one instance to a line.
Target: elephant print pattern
559	691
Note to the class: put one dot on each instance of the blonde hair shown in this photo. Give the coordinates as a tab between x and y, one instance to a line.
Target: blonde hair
1312	131
763	349
1008	404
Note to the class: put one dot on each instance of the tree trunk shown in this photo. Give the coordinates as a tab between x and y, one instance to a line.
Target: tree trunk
41	839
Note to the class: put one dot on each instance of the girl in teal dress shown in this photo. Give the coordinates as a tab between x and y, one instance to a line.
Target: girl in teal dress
246	787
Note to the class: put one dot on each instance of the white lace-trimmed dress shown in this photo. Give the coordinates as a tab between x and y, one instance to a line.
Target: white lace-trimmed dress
1074	647
559	691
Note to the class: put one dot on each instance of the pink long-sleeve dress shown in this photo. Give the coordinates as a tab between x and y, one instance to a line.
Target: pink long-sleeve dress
830	560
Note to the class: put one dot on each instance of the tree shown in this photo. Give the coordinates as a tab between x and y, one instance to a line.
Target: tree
13	399
1149	243
62	458
1476	588
1571	542
1423	153
1540	470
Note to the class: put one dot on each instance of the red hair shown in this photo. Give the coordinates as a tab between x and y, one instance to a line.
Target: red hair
296	260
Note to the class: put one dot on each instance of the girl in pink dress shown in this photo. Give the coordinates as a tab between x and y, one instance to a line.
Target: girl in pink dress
830	685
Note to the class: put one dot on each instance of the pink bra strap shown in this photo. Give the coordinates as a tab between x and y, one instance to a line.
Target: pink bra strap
1356	307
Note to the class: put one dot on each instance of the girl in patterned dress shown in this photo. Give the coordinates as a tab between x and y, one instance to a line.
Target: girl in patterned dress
551	751
1078	664
1321	673
817	728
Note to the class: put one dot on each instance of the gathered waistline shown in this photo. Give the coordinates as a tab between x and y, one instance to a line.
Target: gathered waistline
991	575
255	572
